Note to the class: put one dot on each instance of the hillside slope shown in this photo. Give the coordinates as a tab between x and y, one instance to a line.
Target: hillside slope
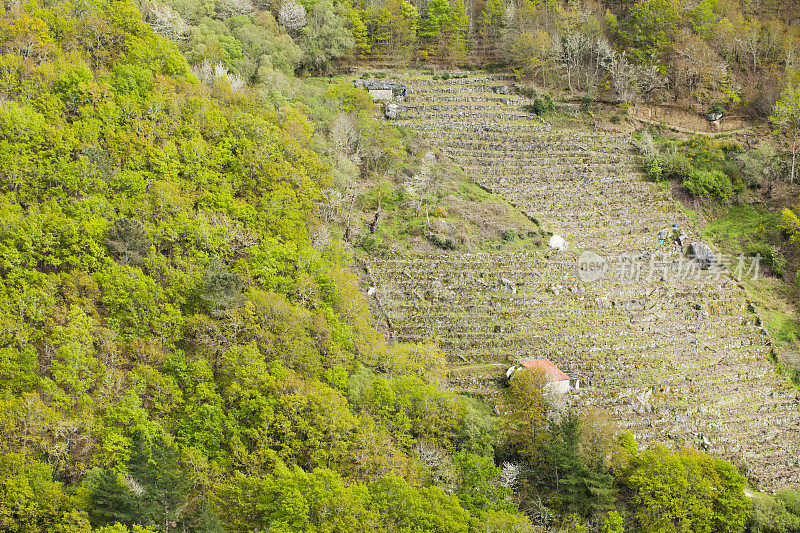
676	356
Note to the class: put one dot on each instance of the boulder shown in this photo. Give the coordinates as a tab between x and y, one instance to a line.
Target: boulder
504	89
557	242
703	254
392	111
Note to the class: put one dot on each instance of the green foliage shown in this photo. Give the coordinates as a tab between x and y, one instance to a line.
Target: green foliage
706	168
686	491
771	515
789	225
769	255
110	502
30	501
222	288
155	248
704	17
717	109
478	489
525	423
430	509
586	487
325	38
677	167
127	241
710	183
543	106
505	522
758	166
293	500
653	168
613	523
786	115
650	29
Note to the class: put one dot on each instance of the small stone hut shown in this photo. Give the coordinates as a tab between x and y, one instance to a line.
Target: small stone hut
378	90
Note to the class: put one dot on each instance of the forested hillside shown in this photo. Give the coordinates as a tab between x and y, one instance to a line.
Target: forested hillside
177	351
183	344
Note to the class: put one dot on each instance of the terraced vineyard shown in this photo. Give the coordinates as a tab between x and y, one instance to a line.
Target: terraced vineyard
675	356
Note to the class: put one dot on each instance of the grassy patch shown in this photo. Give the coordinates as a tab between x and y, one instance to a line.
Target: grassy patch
773	301
449	213
734	227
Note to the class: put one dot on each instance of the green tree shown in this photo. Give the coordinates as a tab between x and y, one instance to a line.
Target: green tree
32	502
360	34
770	515
222	288
650	29
585	488
459	39
704	17
525	421
127	241
110	501
686	491
490	23
325	38
437	23
478	487
786	116
613	523
159	482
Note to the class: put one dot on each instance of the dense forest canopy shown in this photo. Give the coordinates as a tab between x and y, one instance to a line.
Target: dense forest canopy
182	345
708	51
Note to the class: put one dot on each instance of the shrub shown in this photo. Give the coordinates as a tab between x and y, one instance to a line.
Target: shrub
757	165
770	514
646	145
653	168
716	109
677	166
613	523
509	235
528	91
789	225
769	255
440	241
710	184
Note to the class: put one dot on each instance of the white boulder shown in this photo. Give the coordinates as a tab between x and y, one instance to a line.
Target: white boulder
557	242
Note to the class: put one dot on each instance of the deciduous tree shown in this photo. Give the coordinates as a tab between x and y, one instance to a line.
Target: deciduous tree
786	115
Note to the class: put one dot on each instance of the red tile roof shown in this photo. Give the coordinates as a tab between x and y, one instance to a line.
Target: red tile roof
551	371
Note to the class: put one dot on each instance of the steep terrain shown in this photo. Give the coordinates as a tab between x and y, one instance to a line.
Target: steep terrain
673	355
